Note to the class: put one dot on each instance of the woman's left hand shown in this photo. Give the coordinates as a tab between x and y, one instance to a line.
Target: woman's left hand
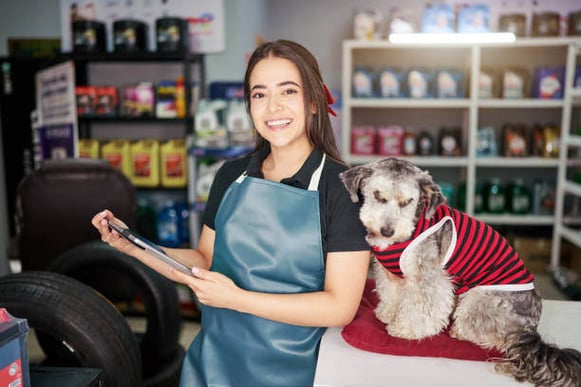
212	288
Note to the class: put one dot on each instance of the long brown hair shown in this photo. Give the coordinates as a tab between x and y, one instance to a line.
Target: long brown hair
318	125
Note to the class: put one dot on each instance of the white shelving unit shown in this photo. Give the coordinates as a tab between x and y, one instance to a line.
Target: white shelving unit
567	227
470	112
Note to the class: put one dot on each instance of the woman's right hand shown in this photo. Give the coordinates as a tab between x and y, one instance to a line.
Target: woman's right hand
111	237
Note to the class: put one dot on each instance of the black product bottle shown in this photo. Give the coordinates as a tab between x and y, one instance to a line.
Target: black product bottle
425	144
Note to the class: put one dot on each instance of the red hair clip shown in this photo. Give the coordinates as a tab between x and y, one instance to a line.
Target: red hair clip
330	101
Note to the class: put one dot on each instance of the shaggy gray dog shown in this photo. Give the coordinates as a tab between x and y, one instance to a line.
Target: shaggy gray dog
437	268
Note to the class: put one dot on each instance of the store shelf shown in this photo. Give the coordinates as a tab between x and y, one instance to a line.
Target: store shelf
527	103
572	235
407	103
506	219
470	113
434	161
517	162
574	140
565	218
572	188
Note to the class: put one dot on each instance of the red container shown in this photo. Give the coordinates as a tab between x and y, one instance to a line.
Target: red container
363	140
14	369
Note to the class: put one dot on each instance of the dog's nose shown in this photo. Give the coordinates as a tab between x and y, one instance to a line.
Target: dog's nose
387	231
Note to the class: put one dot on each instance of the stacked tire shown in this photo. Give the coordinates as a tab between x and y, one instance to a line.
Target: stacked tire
71	307
123	279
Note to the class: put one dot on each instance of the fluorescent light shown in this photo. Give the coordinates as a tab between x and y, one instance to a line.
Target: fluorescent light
452	38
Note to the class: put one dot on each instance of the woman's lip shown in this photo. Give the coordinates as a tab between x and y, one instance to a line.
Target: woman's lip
279	122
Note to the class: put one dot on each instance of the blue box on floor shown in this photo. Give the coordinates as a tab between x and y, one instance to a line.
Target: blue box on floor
13	351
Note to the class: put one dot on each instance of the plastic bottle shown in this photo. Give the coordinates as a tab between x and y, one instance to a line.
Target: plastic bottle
180	97
519	198
168	224
494	197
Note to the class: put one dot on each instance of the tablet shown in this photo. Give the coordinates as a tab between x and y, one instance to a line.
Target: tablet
148	246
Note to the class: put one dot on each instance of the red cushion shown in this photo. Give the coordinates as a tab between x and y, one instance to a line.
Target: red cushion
366	332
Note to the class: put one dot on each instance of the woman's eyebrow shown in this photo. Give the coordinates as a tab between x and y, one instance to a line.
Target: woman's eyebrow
285	83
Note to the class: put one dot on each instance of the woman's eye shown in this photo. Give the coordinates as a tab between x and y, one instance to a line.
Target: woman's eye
257	95
289	91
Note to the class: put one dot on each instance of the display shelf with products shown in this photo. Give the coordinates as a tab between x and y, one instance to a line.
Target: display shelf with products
509	89
568	204
149	105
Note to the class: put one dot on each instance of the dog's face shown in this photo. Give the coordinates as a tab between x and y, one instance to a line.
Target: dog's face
395	193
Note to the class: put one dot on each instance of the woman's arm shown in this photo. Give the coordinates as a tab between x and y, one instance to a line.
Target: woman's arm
200	257
336	305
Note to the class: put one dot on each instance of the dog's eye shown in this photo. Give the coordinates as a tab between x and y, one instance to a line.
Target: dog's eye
405	202
378	197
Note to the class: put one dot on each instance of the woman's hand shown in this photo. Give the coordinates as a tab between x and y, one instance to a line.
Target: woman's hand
111	237
212	288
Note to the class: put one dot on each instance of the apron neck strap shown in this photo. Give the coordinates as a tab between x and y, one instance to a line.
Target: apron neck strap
314	184
315	177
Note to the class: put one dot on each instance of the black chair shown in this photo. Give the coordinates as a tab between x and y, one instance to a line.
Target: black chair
54	207
55	204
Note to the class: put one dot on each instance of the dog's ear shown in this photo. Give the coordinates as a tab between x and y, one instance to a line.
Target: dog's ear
431	194
354	178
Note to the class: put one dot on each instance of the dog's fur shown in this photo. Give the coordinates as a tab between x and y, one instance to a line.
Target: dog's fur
423	303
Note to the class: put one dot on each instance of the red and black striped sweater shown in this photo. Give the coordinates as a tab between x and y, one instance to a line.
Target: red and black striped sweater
478	255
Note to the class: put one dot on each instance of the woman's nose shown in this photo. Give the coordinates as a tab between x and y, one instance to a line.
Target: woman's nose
274	103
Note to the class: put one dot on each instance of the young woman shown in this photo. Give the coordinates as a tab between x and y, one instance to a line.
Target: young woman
282	252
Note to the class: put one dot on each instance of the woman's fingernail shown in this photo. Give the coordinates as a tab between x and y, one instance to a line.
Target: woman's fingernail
195	270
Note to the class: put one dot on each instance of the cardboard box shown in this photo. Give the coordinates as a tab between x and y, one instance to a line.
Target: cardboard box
535	252
14	369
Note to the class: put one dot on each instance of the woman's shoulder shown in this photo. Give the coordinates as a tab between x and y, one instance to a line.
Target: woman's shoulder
232	168
333	169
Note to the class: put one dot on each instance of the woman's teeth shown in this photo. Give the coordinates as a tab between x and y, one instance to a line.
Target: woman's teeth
278	122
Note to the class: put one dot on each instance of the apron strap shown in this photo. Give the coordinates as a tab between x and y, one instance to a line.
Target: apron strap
313	184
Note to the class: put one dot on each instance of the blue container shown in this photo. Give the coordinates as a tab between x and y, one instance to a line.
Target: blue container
168	226
14	369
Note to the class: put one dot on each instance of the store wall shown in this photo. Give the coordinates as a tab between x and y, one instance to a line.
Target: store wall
321	25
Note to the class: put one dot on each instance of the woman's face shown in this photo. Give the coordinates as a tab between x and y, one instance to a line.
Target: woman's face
277	102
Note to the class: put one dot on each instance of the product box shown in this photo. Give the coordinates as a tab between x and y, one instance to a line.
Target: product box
438	18
363	140
391	83
362	83
535	252
107	101
166	103
420	83
449	83
390	140
515	83
138	100
474	18
86	96
549	83
14	370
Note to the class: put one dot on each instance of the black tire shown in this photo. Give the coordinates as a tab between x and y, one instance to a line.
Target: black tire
91	330
169	371
120	277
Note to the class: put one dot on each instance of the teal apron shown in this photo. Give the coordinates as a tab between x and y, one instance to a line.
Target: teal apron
268	239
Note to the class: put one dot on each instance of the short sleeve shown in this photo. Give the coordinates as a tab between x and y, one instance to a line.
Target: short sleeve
343	228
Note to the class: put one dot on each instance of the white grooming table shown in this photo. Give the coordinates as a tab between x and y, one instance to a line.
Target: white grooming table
340	364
